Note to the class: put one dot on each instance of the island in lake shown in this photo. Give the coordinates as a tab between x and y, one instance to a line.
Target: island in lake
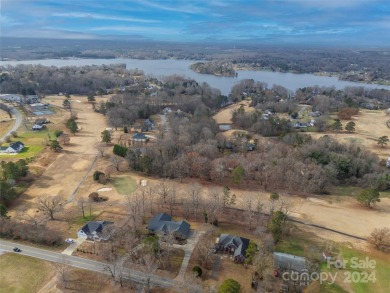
217	68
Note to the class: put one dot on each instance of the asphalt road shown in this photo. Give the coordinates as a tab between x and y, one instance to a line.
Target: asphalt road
82	263
17	123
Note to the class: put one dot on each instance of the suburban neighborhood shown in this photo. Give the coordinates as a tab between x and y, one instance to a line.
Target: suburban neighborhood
194	146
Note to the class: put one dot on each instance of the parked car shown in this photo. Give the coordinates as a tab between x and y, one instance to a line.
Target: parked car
69	240
17	249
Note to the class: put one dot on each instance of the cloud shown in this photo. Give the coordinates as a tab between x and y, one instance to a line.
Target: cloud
102	17
177	7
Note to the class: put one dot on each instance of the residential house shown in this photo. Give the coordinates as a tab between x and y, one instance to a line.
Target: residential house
148	125
11	98
234	245
163	225
31	99
93	231
37	127
13	148
139	137
298	124
42	121
289	262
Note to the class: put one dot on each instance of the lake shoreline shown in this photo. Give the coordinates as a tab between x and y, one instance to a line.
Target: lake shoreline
164	67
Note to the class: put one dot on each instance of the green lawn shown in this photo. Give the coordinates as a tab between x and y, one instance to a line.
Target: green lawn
124	185
22	274
380	284
35	142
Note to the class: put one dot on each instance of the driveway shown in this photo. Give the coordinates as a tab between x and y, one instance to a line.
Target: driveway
72	247
192	240
17	123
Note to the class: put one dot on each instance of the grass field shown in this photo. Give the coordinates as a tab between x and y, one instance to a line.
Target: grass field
379	283
34	141
124	185
23	274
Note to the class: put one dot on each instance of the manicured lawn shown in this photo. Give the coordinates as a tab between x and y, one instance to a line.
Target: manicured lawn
293	246
379	284
23	274
35	142
124	185
81	220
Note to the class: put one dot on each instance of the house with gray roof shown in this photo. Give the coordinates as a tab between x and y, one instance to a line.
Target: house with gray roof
163	225
93	231
139	137
234	245
13	148
289	262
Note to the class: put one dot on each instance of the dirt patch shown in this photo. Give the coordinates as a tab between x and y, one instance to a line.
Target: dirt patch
225	116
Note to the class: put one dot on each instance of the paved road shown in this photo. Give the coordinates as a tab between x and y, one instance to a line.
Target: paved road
17	124
78	262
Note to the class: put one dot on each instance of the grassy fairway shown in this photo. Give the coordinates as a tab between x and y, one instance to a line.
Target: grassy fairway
22	274
124	185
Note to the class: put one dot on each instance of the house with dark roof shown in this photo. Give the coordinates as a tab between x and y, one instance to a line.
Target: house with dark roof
289	262
93	231
13	148
139	137
37	127
234	245
163	225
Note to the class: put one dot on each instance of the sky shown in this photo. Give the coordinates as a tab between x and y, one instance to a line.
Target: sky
364	23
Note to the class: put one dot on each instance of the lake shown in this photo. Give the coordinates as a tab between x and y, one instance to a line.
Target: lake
160	68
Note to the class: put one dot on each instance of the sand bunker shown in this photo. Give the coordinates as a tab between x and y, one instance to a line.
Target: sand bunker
104	189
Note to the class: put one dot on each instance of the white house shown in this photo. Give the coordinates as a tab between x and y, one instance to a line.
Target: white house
93	231
388	162
37	127
13	148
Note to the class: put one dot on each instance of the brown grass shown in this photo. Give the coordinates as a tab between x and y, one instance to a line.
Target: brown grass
225	116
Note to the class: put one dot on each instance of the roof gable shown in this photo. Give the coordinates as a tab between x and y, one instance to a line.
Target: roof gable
240	243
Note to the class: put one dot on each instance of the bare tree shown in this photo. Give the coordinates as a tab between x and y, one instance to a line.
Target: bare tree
81	203
149	269
194	199
50	205
190	284
204	250
169	239
115	161
214	205
64	139
172	198
249	211
134	207
63	275
150	191
163	189
380	238
100	148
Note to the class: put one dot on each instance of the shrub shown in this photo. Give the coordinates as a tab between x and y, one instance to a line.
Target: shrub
14	134
94	196
96	175
58	133
8	138
102	179
230	286
120	150
197	270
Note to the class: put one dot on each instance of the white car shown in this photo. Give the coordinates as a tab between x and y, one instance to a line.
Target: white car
69	240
